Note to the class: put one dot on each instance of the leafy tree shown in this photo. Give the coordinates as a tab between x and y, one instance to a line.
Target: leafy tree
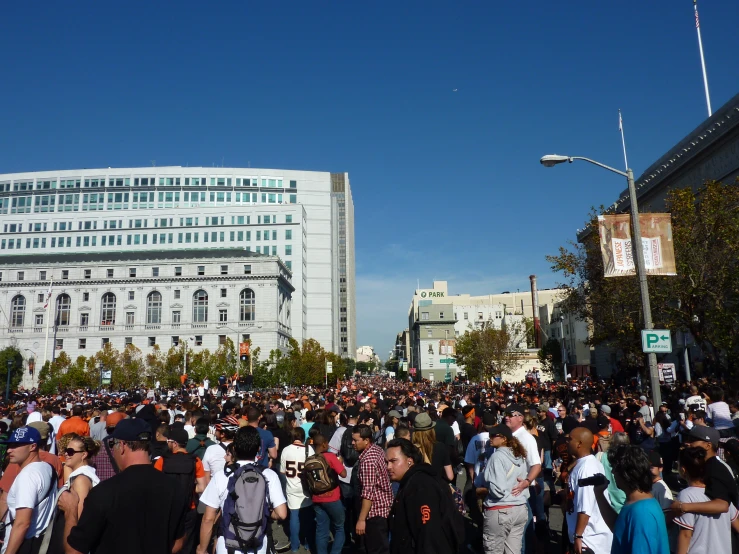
362	367
487	352
550	356
15	357
703	298
349	368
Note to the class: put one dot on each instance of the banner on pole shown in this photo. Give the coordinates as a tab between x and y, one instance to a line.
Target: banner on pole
615	244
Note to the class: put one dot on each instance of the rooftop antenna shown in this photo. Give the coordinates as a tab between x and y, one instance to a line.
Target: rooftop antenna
153	163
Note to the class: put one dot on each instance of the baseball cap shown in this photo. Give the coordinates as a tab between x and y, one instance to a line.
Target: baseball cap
643	398
132	430
606	409
700	433
334	408
515	408
488	419
24	435
655	460
502	430
394	413
113	419
179	435
543	407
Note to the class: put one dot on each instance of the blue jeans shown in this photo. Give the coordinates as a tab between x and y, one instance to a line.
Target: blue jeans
329	515
301	520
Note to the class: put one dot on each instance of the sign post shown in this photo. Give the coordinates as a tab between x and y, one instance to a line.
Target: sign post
656	341
329	369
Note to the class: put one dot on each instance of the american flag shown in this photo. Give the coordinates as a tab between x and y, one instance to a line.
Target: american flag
620	122
48	296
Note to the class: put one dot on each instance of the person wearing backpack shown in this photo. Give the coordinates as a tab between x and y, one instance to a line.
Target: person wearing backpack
424	518
299	503
188	471
248	496
197	445
341	445
327	505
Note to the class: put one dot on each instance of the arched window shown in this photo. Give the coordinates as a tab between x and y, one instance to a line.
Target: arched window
154	308
246	305
63	310
200	307
107	313
17	311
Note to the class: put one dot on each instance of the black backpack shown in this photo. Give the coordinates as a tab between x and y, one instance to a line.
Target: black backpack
182	468
349	456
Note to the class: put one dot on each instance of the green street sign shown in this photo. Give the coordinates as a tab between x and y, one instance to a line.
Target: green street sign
446	361
656	341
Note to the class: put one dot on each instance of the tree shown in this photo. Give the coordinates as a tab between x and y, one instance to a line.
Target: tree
550	356
15	357
487	352
362	367
703	298
349	367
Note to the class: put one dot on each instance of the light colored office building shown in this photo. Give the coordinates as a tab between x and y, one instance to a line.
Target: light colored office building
457	314
304	218
572	335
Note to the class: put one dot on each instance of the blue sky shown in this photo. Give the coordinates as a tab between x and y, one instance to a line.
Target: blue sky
446	185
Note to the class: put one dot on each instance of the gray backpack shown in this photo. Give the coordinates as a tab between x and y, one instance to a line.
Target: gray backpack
246	511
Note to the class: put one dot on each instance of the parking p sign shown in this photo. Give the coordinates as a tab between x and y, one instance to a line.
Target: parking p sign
656	341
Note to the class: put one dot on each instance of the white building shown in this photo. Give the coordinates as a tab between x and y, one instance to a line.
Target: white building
305	218
572	335
367	354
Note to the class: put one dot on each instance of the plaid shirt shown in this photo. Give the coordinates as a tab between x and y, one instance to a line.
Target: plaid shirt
375	481
102	463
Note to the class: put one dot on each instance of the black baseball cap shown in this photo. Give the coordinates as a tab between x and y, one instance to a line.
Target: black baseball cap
502	430
132	430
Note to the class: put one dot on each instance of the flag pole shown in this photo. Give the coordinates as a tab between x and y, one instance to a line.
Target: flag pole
48	320
703	61
623	141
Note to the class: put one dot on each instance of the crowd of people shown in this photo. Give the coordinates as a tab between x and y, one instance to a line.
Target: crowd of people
372	465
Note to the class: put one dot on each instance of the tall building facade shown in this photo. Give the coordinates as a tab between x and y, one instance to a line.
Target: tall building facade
302	220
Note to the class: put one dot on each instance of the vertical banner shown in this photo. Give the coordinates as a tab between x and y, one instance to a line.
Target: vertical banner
618	255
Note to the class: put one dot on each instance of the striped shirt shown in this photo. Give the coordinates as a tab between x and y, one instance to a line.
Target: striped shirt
375	481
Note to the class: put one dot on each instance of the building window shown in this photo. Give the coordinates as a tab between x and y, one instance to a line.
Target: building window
130	318
155	271
198	340
154	308
175	341
152	341
224	293
21	275
39	320
466	315
424	316
176	318
429	333
104	341
82	344
107	312
88	273
63	310
247	305
224	270
200	307
176	294
84	320
441	315
221	339
131	295
42	276
85	296
17	311
59	344
40	297
129	340
132	272
247	269
201	270
110	274
65	274
223	316
178	271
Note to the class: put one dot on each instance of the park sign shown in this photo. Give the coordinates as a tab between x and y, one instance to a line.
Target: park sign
657	341
425	294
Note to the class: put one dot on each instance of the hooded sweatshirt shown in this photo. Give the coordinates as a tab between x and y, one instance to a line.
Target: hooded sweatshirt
501	474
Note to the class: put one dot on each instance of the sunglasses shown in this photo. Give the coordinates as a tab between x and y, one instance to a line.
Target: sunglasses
71	452
515	414
112	443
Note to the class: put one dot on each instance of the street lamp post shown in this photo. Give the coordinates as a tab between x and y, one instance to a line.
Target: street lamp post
553	159
562	348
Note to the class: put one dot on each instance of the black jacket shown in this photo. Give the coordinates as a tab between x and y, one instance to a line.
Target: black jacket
421	520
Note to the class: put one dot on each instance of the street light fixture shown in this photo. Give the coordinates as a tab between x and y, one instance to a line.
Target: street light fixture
550	160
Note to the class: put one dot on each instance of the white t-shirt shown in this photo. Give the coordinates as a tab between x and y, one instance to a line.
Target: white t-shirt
597	536
529	443
455	428
478	452
31	490
291	464
190	431
720	415
334	446
711	534
56	422
214	459
215	497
